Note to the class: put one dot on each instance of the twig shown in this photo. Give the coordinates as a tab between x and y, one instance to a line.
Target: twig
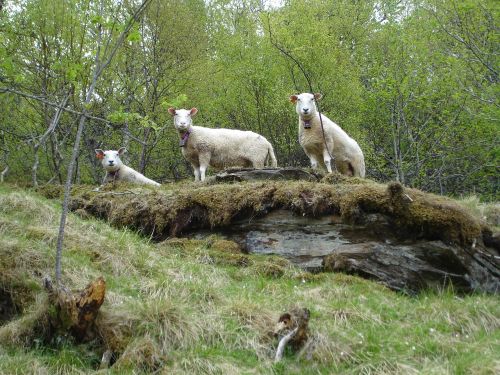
116	192
281	346
409	198
52	104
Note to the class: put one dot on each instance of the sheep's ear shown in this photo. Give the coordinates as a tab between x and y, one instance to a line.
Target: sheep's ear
293	98
121	151
317	96
99	153
193	111
171	110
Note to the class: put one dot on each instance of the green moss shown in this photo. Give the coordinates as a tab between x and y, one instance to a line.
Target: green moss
174	209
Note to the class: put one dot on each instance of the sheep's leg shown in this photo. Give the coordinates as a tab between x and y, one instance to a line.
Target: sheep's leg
204	162
328	160
203	169
196	173
314	162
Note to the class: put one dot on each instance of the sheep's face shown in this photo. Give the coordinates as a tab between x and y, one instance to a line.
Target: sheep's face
110	159
305	104
183	118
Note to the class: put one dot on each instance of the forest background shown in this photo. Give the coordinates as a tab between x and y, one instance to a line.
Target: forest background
415	82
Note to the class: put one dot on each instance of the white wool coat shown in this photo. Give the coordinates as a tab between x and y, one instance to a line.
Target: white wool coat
223	148
348	156
128	174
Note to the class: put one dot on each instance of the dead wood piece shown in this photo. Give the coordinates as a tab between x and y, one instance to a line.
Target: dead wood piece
76	312
293	326
106	359
281	346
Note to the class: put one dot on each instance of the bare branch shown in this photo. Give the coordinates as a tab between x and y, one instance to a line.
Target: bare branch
52	104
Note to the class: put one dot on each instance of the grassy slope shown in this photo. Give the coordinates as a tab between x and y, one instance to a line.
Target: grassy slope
190	307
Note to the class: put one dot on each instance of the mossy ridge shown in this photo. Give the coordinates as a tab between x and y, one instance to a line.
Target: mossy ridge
177	208
169	309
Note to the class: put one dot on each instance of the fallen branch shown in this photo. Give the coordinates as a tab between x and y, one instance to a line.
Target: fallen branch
281	346
115	192
298	319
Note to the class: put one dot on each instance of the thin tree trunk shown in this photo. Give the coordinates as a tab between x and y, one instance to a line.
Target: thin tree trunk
98	70
57	158
142	163
43	138
5	157
4	173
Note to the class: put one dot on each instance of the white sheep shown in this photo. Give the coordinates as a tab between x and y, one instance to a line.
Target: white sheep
117	171
219	148
346	152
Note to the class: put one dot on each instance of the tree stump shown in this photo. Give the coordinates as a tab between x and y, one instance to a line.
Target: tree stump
75	313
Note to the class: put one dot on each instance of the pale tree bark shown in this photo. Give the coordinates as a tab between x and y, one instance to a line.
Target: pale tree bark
101	62
43	138
5	157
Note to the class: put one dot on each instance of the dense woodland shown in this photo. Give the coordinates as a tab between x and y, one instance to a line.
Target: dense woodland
415	82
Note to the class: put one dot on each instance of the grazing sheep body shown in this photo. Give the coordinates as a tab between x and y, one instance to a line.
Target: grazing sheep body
320	144
117	171
220	148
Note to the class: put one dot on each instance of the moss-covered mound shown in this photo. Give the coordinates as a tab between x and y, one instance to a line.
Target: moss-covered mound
185	306
175	209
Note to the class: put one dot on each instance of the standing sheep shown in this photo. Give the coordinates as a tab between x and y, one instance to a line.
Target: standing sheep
320	145
117	171
219	148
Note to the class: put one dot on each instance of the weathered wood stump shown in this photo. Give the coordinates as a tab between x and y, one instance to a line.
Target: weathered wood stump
75	313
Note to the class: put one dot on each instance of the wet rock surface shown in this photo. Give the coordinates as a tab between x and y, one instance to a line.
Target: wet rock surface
372	250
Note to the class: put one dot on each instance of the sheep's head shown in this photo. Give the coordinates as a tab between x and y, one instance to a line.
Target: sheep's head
182	118
110	159
305	104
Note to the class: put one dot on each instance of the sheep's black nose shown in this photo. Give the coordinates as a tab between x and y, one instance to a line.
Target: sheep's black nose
306	110
111	162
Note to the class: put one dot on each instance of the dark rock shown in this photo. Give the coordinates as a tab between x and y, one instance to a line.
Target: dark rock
492	240
370	249
238	175
412	267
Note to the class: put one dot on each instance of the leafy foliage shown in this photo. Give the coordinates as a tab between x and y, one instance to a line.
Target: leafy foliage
415	82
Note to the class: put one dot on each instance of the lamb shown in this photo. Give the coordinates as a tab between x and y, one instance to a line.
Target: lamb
117	171
346	152
219	148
